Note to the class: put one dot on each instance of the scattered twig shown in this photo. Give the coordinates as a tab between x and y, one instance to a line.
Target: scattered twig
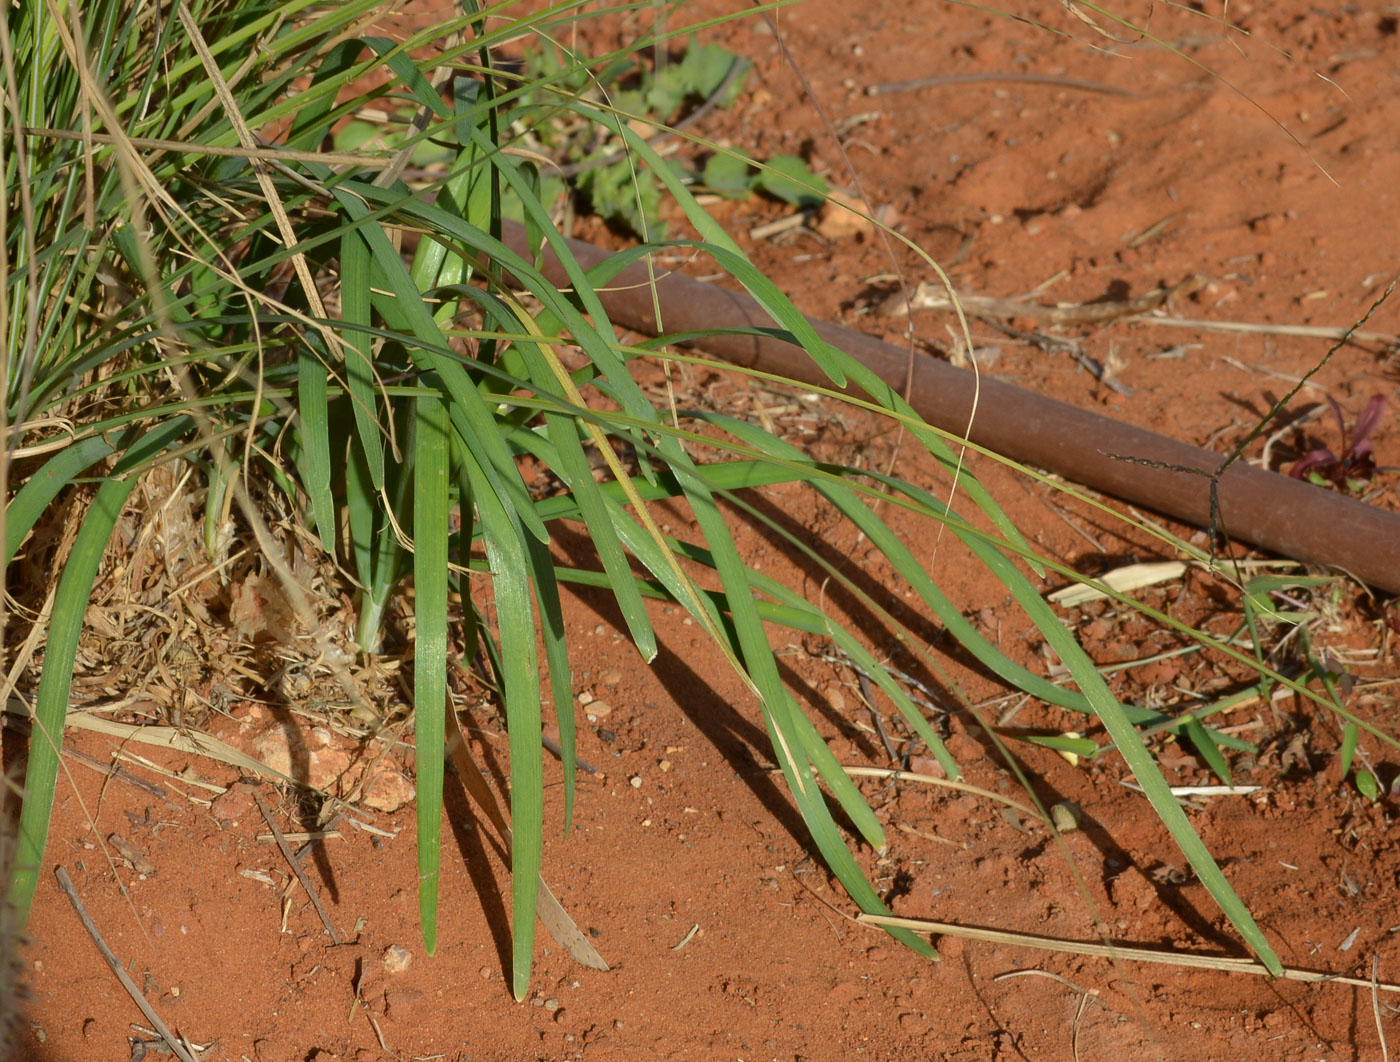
551	912
358	985
1223	963
1181	791
66	884
1086	996
774	228
1040	340
945	783
1376	1005
312	835
133	855
935	297
110	770
1014	77
297	869
1346	336
868	695
1333	332
558	750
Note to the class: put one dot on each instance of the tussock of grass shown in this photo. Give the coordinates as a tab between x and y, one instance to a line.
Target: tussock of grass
240	400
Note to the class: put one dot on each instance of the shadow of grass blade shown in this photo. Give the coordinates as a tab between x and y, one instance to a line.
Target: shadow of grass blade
801	615
902	558
790	738
759	666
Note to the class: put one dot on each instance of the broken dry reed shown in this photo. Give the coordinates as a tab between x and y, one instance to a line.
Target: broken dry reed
1376	1006
298	869
1223	963
945	783
1086	996
1332	332
175	1043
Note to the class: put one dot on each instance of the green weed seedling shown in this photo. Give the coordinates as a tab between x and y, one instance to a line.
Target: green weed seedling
659	97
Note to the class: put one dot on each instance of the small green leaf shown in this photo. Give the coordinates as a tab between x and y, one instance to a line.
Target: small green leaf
1367	786
1084	747
704	69
666	93
788	178
1209	750
728	175
631	102
354	135
1349	736
619	196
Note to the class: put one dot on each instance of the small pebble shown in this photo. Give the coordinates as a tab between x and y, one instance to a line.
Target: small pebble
396	959
636	781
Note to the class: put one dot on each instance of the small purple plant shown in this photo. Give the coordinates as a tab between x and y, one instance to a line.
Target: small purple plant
1357	462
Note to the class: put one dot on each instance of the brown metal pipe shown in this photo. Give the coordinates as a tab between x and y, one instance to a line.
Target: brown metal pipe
1269	510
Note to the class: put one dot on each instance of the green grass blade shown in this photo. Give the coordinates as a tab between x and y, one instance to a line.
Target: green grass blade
431	502
403	308
520	688
603	532
908	566
356	280
1205	744
410	77
31	500
778	709
70	604
360	507
1350	736
791	750
556	655
313	411
55	684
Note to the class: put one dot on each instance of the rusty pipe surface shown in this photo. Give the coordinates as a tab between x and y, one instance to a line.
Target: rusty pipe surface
1267	509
